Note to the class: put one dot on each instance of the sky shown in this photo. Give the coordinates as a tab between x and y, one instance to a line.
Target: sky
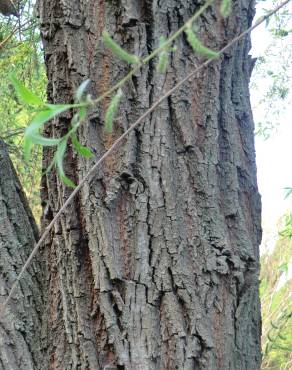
273	155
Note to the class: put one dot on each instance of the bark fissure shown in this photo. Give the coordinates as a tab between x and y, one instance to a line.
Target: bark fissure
20	324
156	263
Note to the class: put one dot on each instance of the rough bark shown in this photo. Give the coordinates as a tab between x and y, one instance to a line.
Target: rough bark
20	324
155	265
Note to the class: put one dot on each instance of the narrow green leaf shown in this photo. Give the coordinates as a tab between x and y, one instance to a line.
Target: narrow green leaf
50	166
198	46
225	8
67	181
27	146
80	91
83	150
59	158
24	94
112	110
118	51
60	108
75	121
31	133
82	113
42	117
60	153
163	57
78	117
284	267
162	62
36	138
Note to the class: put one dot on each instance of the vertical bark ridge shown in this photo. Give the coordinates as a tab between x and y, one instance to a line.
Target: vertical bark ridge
20	323
155	266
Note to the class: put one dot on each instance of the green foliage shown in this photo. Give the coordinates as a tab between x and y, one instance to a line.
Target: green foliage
46	112
276	300
81	89
197	45
287	230
83	150
118	51
59	158
23	109
163	57
24	94
225	8
21	53
112	110
24	57
32	135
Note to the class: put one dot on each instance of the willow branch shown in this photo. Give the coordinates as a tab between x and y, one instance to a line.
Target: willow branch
119	141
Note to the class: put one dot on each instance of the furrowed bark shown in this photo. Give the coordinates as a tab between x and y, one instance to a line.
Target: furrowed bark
155	264
20	323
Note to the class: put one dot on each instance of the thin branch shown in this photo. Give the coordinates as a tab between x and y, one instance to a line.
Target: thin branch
13	32
168	42
118	142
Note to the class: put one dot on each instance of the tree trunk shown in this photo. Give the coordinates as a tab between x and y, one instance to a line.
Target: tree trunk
20	323
155	264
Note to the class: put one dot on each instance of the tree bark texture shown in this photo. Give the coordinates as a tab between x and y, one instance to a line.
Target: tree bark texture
155	264
20	323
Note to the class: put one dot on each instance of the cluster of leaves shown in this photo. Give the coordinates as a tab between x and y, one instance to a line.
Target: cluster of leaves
23	55
287	229
276	300
271	99
20	51
46	112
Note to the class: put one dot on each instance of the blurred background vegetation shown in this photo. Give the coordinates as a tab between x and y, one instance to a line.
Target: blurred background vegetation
21	53
276	301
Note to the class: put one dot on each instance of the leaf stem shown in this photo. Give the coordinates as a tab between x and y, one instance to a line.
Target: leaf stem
118	142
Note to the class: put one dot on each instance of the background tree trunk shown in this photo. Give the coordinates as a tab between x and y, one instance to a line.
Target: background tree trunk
20	324
155	265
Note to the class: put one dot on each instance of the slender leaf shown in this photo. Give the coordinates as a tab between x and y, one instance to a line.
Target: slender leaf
42	117
27	146
44	141
24	94
67	181
118	51
163	57
198	46
59	158
81	89
225	8
162	62
83	150
112	110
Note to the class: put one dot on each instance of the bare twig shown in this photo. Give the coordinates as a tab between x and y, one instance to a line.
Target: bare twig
13	32
118	142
